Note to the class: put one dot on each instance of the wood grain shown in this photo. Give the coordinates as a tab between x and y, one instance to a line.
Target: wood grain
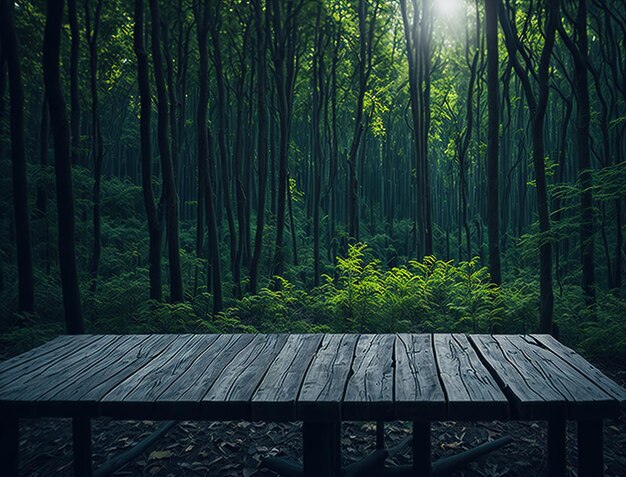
472	393
275	399
418	391
325	381
369	391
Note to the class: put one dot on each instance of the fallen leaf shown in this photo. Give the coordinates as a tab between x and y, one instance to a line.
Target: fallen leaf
249	471
155	455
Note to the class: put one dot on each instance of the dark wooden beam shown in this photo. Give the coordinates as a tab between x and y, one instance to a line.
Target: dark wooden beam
81	439
9	445
590	448
421	449
556	447
320	449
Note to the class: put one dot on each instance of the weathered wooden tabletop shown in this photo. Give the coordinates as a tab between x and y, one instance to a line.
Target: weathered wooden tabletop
329	377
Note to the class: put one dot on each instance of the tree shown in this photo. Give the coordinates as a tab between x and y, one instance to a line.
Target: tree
206	196
418	35
537	103
74	93
96	136
19	181
493	140
170	198
62	168
579	52
153	211
222	129
284	18
261	44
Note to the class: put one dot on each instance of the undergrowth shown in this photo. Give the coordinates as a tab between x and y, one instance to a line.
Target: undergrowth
364	297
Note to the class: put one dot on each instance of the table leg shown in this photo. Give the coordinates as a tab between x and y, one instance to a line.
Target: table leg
321	449
81	440
422	465
9	445
380	435
556	447
590	448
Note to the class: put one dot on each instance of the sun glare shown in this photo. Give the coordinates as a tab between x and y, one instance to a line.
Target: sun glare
448	8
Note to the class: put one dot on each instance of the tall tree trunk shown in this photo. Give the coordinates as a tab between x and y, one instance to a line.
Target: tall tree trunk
363	72
169	185
202	24
262	117
317	83
96	137
579	51
74	93
493	207
41	202
284	21
62	168
537	105
238	158
153	213
418	35
222	129
26	300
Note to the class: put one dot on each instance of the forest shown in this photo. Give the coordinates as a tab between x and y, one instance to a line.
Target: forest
313	166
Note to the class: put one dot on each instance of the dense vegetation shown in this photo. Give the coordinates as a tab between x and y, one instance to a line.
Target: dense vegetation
305	165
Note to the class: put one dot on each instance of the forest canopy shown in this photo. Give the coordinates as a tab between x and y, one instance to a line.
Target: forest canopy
313	165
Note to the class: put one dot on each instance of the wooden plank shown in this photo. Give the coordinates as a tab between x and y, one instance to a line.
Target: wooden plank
157	381
525	384
325	381
116	401
181	400
64	372
584	399
275	399
418	391
61	375
33	353
23	387
229	396
471	391
369	392
71	390
583	366
133	360
38	361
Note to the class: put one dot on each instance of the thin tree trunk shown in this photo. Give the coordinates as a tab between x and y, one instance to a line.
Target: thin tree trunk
41	202
10	46
493	209
222	129
262	117
62	167
202	24
74	93
169	185
153	213
96	138
537	105
579	52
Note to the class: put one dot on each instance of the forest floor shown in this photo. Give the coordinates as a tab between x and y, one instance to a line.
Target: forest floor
229	449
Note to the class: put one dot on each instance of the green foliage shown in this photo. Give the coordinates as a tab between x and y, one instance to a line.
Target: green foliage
431	296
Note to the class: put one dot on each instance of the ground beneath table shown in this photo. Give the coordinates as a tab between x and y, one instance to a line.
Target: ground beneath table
225	449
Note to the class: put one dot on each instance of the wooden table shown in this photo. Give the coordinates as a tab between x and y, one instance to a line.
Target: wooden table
319	379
